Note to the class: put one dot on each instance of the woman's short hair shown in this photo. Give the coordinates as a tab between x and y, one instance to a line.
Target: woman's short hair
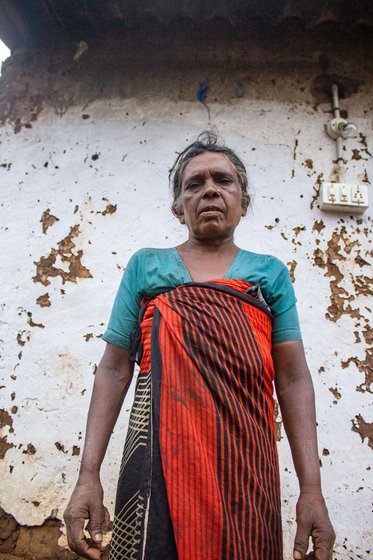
207	141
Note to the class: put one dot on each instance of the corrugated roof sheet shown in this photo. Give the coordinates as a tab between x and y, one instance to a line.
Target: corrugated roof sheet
25	21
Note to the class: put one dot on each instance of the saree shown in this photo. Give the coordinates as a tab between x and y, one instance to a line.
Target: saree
199	477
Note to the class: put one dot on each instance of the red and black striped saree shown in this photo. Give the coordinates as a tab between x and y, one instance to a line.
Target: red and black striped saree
199	477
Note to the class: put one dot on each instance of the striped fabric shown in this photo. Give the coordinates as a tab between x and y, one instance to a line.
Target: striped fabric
207	479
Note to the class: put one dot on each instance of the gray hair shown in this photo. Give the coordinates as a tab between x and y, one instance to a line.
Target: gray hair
207	141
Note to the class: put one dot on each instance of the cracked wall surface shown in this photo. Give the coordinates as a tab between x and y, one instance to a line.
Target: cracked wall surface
83	174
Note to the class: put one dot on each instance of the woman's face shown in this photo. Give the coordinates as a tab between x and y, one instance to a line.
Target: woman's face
211	198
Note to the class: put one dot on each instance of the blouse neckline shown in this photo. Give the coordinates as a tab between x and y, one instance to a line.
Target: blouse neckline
187	273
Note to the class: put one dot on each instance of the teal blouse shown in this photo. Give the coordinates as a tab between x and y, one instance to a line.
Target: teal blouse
153	271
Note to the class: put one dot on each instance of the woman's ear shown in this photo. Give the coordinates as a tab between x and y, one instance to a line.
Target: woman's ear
178	213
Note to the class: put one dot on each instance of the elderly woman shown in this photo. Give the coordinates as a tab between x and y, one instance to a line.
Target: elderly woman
212	326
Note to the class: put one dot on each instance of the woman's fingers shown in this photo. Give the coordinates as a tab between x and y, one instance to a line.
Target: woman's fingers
77	541
95	524
85	505
313	521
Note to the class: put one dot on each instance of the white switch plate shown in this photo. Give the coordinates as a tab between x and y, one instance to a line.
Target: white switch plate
342	197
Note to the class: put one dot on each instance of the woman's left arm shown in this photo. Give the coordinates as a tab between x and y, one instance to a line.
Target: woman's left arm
296	398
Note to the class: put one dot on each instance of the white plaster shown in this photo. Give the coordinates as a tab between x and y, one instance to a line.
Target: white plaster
53	377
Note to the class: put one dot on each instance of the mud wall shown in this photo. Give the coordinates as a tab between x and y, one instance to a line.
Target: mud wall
89	130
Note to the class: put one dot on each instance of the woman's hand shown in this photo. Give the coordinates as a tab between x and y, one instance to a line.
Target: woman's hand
112	379
313	521
86	504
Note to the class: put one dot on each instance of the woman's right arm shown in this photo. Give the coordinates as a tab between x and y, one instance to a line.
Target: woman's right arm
112	379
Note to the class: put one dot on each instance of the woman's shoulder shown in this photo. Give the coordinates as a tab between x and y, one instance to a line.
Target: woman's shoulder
262	260
153	251
141	256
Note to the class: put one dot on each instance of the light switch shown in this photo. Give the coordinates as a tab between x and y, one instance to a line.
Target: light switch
343	197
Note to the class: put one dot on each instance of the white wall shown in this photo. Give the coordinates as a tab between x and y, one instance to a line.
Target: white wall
46	376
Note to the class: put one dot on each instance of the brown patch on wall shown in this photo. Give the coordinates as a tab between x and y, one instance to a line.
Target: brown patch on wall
363	285
308	163
44	300
278	422
5	421
110	209
368	335
30	449
318	226
298	229
292	266
47	220
38	542
316	189
60	447
365	366
364	429
339	298
23	337
32	323
336	394
45	267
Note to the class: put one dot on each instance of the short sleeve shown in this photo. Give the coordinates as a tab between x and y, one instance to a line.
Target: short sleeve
282	302
124	315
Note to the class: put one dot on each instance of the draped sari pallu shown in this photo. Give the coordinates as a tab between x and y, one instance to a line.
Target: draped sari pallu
199	478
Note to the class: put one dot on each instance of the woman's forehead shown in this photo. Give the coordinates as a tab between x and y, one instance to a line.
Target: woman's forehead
208	161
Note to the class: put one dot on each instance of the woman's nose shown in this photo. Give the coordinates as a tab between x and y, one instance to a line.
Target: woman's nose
211	189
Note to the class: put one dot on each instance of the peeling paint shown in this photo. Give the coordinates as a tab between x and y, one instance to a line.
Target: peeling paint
316	188
5	421
32	323
44	300
45	267
336	394
318	225
365	366
339	297
40	542
292	266
110	209
47	220
364	429
278	422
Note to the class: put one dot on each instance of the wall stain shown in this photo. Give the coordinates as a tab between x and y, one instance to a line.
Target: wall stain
60	447
292	266
365	366
318	226
316	189
47	220
32	323
23	337
363	285
5	421
364	429
336	394
339	297
44	300
30	449
298	229
45	267
278	422
110	209
368	335
41	542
